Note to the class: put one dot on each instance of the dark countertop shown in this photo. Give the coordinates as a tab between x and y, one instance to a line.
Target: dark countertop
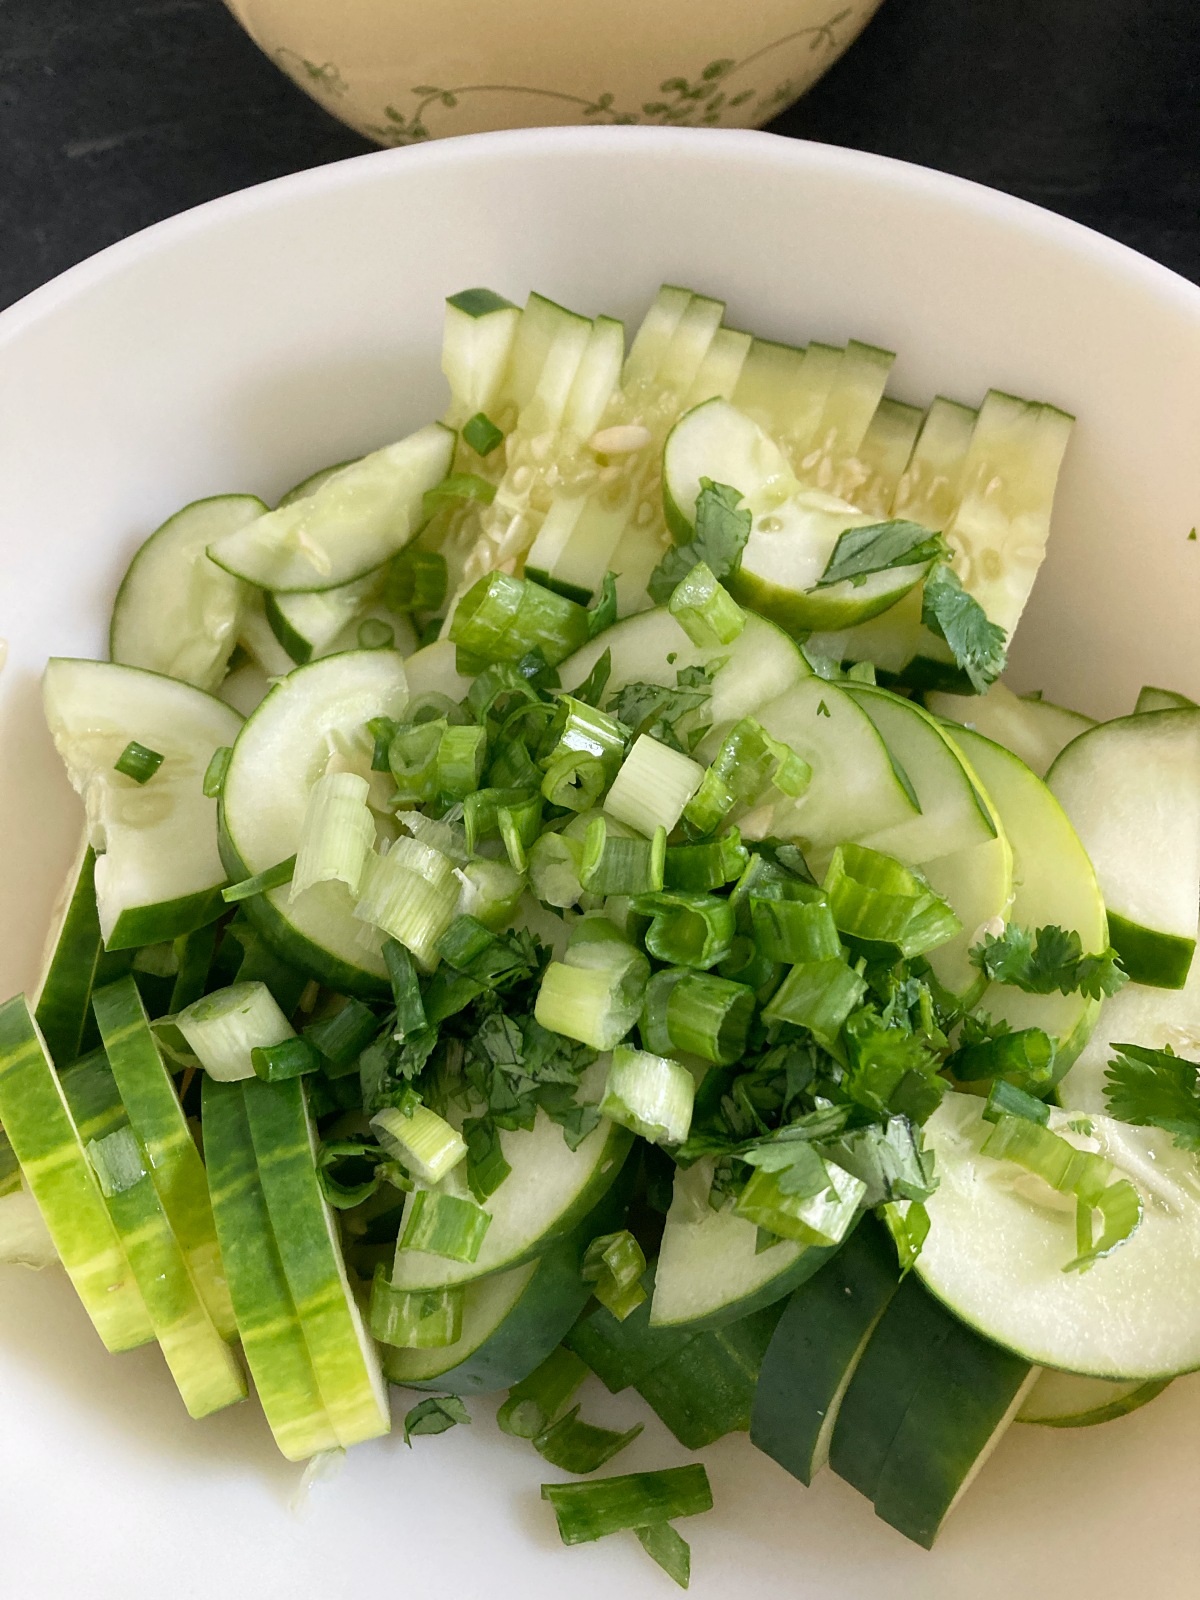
115	115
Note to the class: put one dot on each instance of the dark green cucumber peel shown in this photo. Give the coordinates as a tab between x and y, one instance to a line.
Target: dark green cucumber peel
79	964
1160	960
622	1354
820	1338
706	1389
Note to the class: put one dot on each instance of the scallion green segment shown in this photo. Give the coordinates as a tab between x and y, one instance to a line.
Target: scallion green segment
581	1447
614	1265
502	618
588	1511
445	1225
650	1094
669	1548
261	883
482	434
138	762
705	610
595	993
290	1058
419	1139
415	1319
534	1403
879	902
696	1012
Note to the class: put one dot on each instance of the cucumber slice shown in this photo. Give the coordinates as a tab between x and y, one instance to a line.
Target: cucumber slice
760	665
257	639
1158	1018
176	611
710	1270
855	789
314	480
93	1097
770	388
276	1352
706	1389
550	1189
343	1354
655	332
478	333
148	1093
817	378
1034	729
63	992
816	1348
963	1406
433	670
24	1237
831	461
351	524
307	624
158	873
512	1320
715	440
1054	883
281	751
1151	699
954	812
977	884
59	1176
1132	790
1065	1400
998	1242
721	370
871	480
246	687
205	1370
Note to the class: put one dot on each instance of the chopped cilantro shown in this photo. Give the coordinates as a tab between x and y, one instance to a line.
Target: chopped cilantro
1155	1089
722	528
882	547
435	1415
822	709
672	716
978	646
602	613
1052	959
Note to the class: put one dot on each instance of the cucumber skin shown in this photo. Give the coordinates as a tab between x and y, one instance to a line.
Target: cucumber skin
622	1354
63	1003
169	919
1142	1396
819	1336
784	1283
706	1389
297	647
1159	960
541	1318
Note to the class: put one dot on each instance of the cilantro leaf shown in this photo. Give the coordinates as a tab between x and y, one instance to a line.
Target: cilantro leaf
890	1159
435	1415
672	716
890	1068
722	528
1155	1089
593	686
798	1168
1052	959
979	646
602	612
882	547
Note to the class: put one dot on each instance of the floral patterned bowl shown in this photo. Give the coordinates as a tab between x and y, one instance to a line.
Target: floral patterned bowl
402	72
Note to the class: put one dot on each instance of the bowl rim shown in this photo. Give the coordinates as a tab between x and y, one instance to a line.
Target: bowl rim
754	147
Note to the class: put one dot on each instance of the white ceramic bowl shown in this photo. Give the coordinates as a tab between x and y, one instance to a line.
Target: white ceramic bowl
263	335
404	73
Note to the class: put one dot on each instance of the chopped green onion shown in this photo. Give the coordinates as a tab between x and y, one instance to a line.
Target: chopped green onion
421	1141
382	730
486	1165
534	1403
749	763
796	926
697	1013
261	883
821	1218
435	1415
746	963
1007	1100
224	1027
413	759
481	811
587	1511
653	786
117	1161
585	729
415	1319
652	1095
477	951
482	434
501	690
519	825
411	894
460	758
687	930
511	766
705	610
459	486
138	762
490	891
614	1265
214	772
669	1548
574	781
594	993
817	995
445	1225
554	866
290	1058
1026	1057
616	864
375	634
696	867
406	988
878	901
439	833
581	1447
502	618
337	835
342	1036
416	581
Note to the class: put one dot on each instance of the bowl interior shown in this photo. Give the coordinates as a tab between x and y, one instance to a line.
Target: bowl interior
240	346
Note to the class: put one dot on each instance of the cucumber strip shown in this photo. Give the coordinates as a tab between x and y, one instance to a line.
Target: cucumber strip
1152	699
819	1341
513	1320
478	332
623	1354
852	402
956	1418
433	670
770	387
10	1167
798	432
351	524
320	710
1132	791
548	1192
654	334
999	1240
954	812
176	611
24	1237
869	481
721	370
59	1176
710	1270
64	990
276	1352
1034	729
343	1354
158	873
1065	1400
204	1368
93	1098
760	665
706	1389
148	1093
1054	884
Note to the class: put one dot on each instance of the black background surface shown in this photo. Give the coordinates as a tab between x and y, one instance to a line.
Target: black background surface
115	113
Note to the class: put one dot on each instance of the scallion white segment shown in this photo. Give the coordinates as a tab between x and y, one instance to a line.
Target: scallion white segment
420	1140
653	786
224	1028
337	835
652	1095
594	994
410	894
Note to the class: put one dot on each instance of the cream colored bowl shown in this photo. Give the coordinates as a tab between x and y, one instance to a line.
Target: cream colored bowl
403	71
